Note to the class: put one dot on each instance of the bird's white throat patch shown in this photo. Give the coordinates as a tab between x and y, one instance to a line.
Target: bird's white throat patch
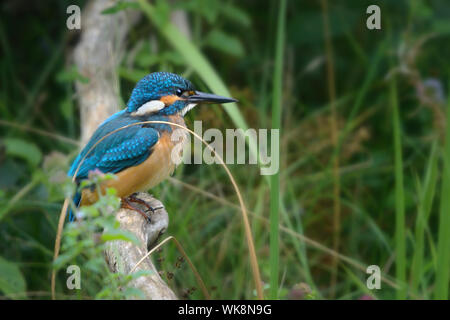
149	107
185	110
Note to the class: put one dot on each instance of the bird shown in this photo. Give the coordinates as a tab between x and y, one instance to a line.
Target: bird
138	155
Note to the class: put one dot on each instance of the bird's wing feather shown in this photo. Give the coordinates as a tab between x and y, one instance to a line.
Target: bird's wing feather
129	152
120	150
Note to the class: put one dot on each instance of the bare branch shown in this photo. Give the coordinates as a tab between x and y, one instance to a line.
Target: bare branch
122	256
97	55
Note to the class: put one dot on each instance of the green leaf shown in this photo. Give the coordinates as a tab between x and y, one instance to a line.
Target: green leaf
134	75
119	235
65	258
90	211
121	5
71	75
223	42
146	60
236	14
23	149
172	57
95	264
141	273
12	282
162	9
208	9
67	108
441	27
133	293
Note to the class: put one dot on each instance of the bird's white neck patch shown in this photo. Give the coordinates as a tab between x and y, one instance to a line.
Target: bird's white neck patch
185	110
149	107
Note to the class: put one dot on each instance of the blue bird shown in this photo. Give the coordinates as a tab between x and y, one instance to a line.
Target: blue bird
140	155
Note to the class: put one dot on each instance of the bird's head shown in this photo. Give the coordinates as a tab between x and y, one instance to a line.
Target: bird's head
166	93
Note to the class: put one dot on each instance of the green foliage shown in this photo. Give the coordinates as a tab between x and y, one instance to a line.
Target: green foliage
443	242
12	282
86	239
426	193
400	241
221	41
24	150
119	6
70	75
275	178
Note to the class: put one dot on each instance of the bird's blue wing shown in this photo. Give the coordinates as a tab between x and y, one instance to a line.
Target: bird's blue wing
130	152
120	150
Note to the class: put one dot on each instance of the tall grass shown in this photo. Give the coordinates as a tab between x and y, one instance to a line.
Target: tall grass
277	100
400	240
443	245
426	196
334	140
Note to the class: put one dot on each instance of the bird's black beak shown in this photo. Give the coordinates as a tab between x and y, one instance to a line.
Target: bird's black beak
202	97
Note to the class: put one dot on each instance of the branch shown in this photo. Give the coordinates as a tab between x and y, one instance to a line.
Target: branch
97	55
123	256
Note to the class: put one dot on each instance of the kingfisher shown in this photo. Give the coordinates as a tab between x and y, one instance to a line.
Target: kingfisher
139	155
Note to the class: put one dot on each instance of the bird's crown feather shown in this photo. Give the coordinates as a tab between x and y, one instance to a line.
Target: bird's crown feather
154	86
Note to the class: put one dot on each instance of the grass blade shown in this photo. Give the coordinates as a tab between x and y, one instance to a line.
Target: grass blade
424	209
443	246
400	235
275	178
334	140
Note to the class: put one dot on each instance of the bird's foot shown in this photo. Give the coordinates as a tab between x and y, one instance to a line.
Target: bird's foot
127	204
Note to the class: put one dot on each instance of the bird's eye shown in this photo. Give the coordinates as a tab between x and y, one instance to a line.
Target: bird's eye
179	92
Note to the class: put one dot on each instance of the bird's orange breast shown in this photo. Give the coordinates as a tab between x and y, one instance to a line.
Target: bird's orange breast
146	175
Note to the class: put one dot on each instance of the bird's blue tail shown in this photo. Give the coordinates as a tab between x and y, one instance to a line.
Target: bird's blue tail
76	200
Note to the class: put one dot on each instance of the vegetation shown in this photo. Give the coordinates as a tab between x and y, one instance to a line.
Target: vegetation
365	149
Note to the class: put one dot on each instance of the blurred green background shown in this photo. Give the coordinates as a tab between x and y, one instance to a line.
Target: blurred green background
364	177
